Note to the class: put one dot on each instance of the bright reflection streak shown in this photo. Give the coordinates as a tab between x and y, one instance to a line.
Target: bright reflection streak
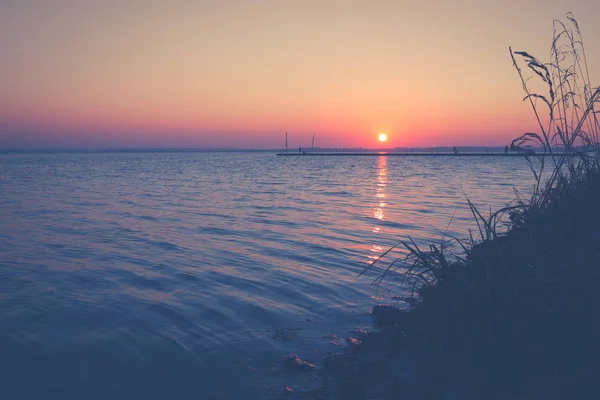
380	205
381	184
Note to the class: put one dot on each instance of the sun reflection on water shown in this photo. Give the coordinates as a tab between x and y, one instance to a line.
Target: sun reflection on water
381	185
380	204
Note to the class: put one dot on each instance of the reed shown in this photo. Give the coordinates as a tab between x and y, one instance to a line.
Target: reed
570	131
513	315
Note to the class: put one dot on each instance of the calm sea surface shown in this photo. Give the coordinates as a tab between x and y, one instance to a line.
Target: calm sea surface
168	275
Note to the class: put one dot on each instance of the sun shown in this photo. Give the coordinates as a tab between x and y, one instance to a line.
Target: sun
382	137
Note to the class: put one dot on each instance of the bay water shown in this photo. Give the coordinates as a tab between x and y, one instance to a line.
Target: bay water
191	275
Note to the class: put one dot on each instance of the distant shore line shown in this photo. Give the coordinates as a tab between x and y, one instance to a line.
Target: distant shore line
467	150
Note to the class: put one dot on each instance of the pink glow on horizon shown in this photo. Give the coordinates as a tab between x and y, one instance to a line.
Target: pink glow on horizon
239	75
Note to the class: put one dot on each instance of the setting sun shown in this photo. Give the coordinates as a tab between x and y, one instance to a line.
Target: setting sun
382	137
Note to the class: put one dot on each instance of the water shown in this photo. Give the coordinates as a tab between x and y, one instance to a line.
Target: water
165	275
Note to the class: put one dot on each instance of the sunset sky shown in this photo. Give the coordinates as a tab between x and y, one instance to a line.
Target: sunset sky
223	73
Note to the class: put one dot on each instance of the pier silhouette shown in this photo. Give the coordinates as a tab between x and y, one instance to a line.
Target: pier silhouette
420	152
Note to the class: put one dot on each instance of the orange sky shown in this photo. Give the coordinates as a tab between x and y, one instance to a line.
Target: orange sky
241	73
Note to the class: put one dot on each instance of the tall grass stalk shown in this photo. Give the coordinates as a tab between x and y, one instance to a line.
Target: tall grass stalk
571	132
514	313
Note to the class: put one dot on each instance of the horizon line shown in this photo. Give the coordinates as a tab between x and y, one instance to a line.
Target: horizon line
231	149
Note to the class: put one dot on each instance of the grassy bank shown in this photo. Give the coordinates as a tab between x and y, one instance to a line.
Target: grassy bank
518	315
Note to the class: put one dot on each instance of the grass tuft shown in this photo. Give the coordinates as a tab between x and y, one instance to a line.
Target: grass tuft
515	315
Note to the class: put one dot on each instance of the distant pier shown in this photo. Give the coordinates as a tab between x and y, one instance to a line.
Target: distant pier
407	154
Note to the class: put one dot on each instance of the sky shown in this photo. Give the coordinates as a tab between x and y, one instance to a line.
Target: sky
239	74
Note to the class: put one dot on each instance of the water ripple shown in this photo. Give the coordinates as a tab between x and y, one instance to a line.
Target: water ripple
166	275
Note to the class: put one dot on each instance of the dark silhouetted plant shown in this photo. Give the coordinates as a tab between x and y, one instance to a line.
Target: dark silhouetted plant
514	314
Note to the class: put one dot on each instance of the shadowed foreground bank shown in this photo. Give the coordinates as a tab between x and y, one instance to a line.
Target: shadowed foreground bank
518	318
513	315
